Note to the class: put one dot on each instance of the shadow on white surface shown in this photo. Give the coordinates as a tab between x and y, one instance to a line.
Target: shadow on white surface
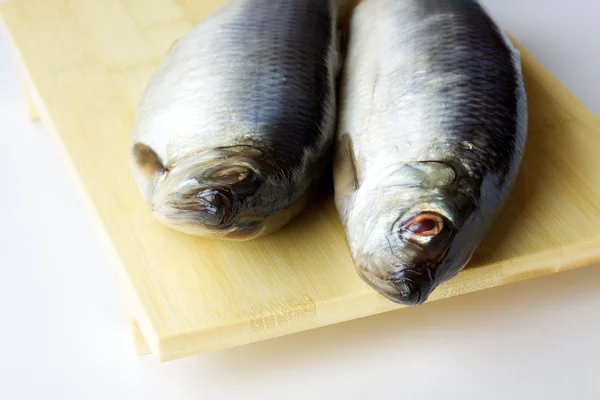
538	329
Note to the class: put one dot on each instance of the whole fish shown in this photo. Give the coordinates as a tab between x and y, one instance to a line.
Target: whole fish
236	125
432	127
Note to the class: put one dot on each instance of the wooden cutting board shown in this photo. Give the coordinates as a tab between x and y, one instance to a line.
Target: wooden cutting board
85	64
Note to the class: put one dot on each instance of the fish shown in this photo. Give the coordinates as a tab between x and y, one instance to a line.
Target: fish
431	132
236	126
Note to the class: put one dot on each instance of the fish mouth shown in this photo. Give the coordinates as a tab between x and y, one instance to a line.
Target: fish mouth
401	289
213	207
209	211
208	197
231	193
194	223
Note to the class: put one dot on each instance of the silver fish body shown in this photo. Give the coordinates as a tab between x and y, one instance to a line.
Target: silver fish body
431	131
235	127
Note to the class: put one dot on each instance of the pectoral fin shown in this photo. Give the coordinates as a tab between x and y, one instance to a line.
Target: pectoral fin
344	174
148	167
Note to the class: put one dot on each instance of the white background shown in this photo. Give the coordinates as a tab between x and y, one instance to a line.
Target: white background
62	333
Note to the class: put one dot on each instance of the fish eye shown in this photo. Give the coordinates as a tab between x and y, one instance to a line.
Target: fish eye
240	178
423	226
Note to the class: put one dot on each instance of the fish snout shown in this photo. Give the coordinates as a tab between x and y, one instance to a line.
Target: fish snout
407	287
413	285
212	207
206	196
215	207
409	292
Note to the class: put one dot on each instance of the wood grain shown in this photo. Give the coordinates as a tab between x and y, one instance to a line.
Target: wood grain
86	64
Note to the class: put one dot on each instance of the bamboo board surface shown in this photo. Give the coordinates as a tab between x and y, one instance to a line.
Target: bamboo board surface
85	64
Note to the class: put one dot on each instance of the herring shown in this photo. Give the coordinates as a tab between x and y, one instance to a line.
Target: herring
431	132
235	127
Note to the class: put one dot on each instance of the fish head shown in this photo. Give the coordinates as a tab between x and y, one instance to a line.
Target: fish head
214	193
406	241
